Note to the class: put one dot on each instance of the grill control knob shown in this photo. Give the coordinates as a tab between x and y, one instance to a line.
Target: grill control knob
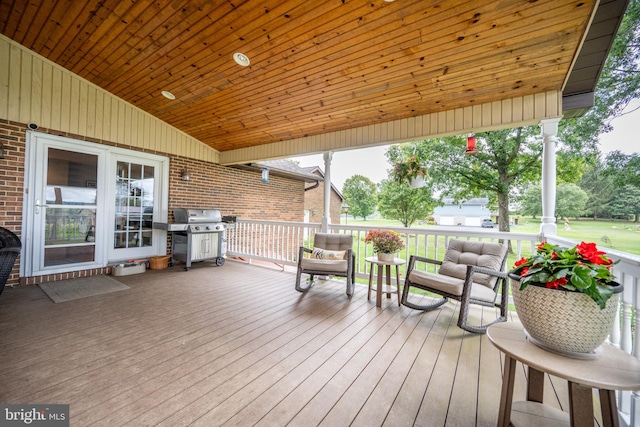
206	227
196	227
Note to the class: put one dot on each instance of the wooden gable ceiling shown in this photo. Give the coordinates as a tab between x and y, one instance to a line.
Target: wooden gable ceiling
316	66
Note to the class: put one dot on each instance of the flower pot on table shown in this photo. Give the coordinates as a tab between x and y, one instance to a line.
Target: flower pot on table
565	322
385	257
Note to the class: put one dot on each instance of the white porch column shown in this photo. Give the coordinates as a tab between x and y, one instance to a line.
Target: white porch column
326	216
549	134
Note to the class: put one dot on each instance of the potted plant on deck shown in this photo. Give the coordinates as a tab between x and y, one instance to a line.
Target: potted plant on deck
566	298
385	243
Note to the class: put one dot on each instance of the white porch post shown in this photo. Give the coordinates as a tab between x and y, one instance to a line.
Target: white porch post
549	127
326	216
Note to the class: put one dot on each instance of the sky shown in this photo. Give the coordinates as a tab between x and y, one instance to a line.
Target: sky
372	163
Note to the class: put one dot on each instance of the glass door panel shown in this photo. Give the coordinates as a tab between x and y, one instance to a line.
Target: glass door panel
70	207
135	189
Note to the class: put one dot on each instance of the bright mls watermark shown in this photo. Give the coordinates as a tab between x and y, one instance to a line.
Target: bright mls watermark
34	415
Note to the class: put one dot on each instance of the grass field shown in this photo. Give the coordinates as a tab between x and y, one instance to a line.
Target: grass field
620	235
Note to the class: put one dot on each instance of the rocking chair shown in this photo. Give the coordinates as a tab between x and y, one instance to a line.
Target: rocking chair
471	272
332	255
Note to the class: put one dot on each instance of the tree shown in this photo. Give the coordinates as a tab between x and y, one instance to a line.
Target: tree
626	202
506	158
600	188
531	201
624	168
570	200
360	193
406	204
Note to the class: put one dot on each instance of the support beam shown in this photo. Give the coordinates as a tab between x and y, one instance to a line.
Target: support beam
549	127
326	216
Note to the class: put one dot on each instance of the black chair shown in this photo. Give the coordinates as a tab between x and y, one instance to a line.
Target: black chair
9	250
471	272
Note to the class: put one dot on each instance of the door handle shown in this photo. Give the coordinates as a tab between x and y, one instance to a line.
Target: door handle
38	206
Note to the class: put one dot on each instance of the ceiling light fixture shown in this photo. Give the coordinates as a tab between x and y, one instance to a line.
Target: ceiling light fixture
168	95
241	59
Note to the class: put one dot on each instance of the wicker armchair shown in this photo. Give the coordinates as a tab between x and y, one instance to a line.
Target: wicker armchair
9	250
471	272
323	261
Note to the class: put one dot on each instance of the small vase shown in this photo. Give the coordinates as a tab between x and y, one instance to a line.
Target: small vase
564	322
385	257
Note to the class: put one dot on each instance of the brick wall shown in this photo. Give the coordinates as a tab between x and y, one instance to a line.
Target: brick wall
233	191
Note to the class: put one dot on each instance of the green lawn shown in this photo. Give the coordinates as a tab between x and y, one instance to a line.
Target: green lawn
620	235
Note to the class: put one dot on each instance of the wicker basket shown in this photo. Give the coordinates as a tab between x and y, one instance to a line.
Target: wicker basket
159	262
569	323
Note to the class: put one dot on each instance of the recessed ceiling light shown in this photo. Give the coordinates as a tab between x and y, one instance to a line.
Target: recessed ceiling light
168	95
241	59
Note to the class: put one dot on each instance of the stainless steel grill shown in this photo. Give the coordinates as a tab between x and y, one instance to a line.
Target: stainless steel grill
197	235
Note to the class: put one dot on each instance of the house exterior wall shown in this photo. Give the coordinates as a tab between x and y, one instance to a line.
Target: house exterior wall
232	191
36	90
314	202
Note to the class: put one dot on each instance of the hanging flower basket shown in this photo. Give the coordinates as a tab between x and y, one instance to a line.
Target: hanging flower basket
408	171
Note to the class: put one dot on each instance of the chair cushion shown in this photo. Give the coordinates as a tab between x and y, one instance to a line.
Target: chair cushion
323	265
451	285
461	253
320	253
332	241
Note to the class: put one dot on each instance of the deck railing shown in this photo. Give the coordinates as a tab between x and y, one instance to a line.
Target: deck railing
279	242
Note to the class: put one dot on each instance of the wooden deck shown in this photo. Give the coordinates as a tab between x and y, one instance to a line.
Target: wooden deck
237	345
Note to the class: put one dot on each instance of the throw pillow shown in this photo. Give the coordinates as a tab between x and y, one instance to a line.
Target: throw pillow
328	255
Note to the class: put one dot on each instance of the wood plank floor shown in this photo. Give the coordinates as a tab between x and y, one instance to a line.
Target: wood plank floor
237	345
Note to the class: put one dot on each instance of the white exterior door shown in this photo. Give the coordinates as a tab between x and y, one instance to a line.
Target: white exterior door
88	204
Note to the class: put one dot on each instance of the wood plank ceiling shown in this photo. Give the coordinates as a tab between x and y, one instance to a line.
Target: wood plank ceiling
316	66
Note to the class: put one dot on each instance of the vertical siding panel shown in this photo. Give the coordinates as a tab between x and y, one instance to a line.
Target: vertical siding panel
540	104
527	107
56	98
99	116
506	111
551	107
91	110
517	109
65	110
82	107
442	121
496	113
426	128
106	117
477	116
35	113
74	105
4	78
46	95
487	120
458	121
26	71
468	118
433	123
121	124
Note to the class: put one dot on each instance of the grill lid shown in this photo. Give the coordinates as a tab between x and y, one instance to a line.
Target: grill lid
196	216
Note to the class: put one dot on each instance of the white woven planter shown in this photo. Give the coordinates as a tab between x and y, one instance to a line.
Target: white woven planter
569	323
385	257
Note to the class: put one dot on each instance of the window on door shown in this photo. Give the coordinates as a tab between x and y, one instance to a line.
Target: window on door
134	201
71	204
